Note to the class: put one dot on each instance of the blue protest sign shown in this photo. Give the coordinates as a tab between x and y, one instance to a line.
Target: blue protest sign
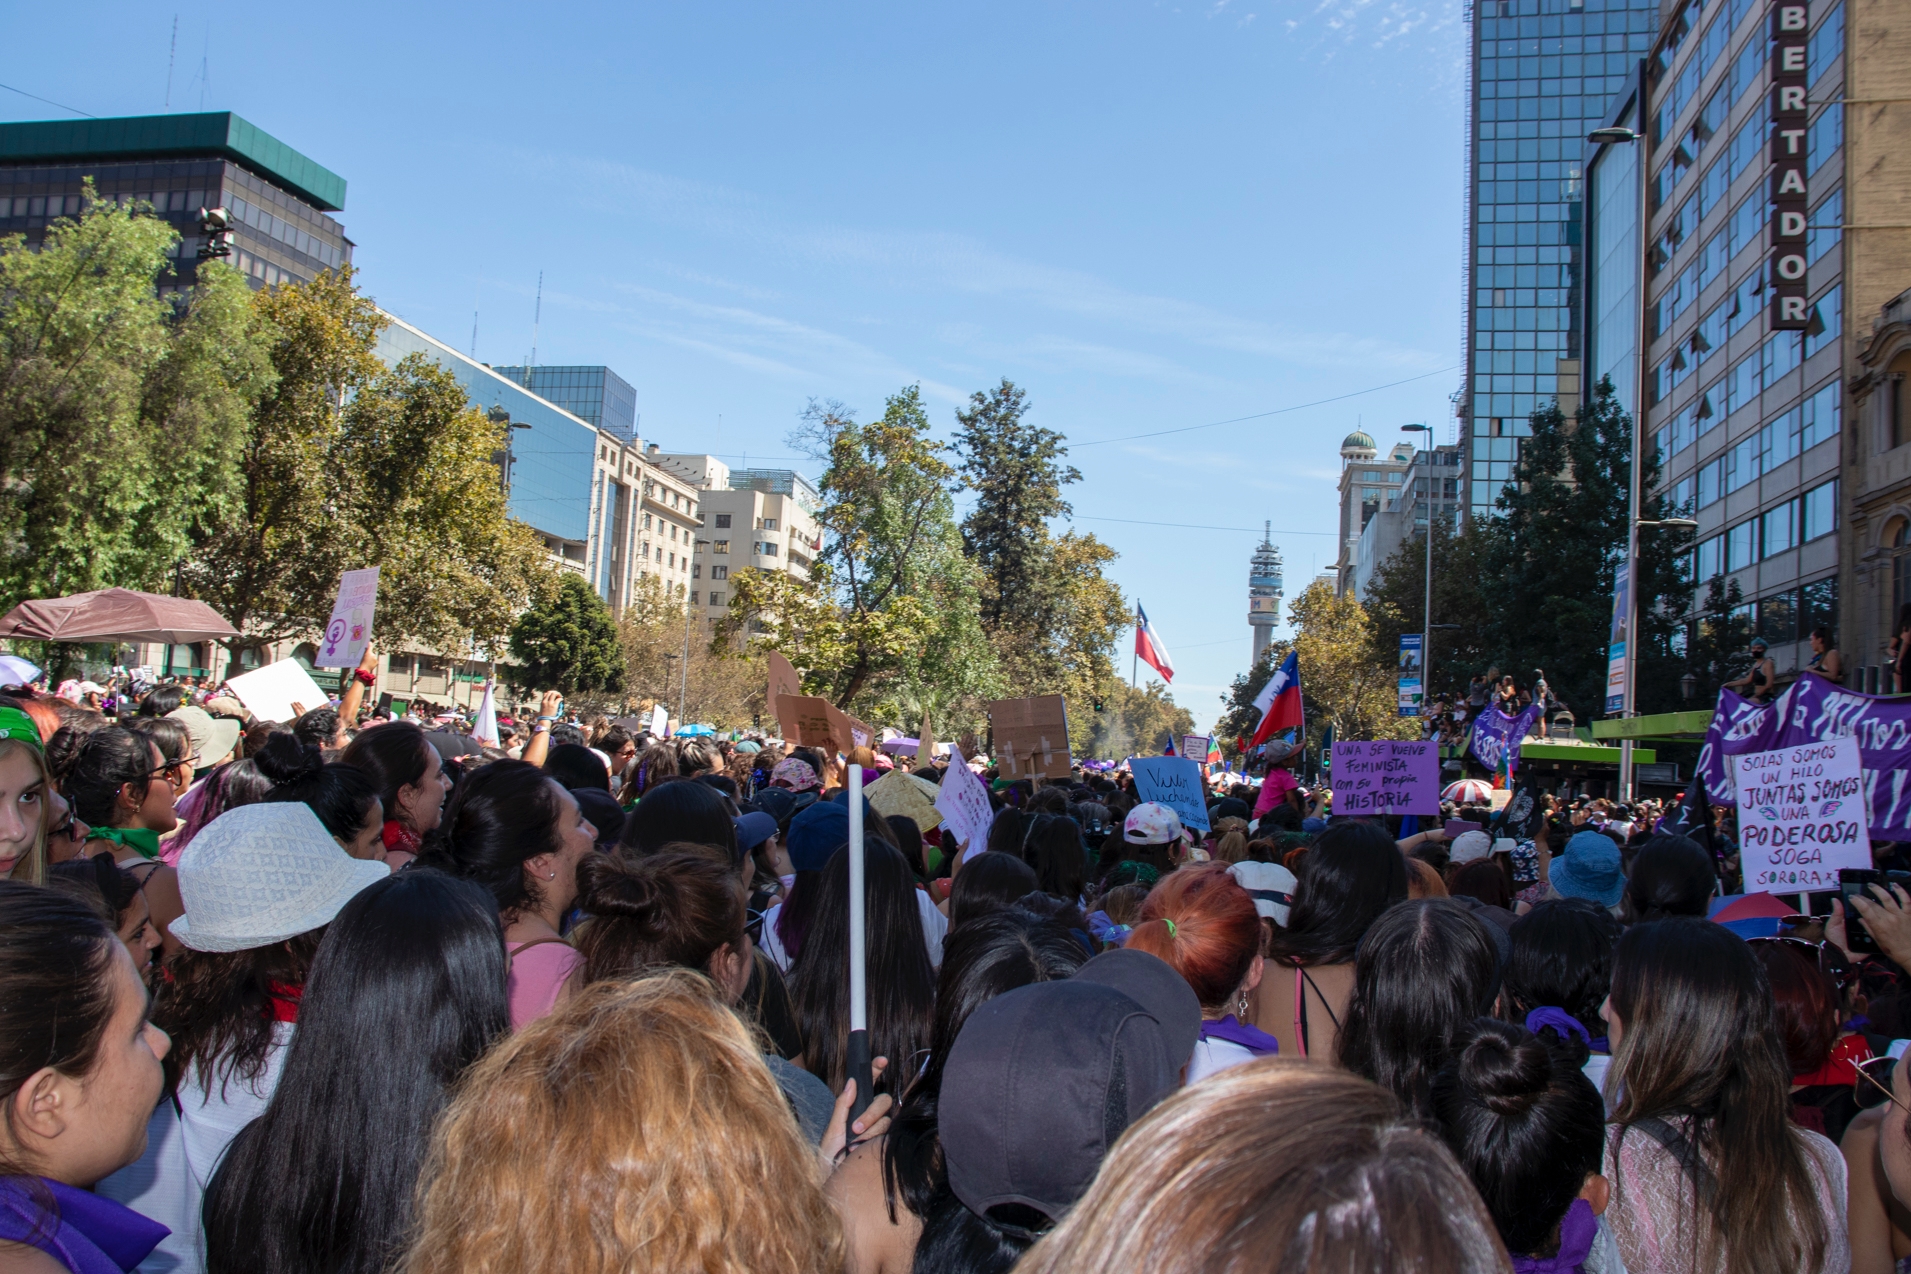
1174	781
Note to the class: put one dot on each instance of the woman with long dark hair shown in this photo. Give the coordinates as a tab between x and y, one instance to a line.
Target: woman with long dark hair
407	990
512	829
1708	1172
887	1185
676	812
987	883
1054	849
902	981
120	787
411	781
79	1073
1425	971
1351	874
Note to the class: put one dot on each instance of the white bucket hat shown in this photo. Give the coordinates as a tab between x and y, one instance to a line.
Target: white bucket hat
261	874
213	738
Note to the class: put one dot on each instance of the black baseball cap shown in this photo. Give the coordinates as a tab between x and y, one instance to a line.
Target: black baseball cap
1152	983
1041	1083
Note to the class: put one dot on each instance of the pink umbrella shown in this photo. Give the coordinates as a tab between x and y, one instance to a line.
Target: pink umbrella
1468	792
116	614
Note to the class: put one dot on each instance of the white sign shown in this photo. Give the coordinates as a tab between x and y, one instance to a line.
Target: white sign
964	804
1802	815
350	628
278	692
659	721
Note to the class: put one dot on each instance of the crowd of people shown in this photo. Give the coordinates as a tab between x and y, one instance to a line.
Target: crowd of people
338	994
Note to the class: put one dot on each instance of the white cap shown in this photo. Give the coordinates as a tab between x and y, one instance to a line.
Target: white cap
1470	847
263	873
1271	885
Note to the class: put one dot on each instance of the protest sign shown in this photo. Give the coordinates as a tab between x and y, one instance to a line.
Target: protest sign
964	804
806	719
1031	737
659	721
925	743
1174	781
1387	776
270	693
783	681
1801	815
1495	738
899	794
350	628
1196	746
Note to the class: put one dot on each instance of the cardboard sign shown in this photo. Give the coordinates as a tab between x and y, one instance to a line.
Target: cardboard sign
900	794
805	718
925	743
349	630
1387	776
1195	746
964	804
1031	737
1174	781
269	692
1802	815
783	681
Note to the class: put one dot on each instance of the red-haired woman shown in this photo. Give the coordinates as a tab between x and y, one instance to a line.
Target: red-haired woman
1202	922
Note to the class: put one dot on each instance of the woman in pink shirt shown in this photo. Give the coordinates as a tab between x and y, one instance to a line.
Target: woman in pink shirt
1280	781
521	835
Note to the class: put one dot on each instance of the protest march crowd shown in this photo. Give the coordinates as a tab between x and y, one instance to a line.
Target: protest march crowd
345	993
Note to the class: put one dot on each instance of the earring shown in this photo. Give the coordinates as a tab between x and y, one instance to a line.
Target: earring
552	876
1240	1007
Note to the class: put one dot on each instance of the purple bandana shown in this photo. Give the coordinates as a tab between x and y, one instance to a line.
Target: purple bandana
1251	1038
1577	1229
1560	1020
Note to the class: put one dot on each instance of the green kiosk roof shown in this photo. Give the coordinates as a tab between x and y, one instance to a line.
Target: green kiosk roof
175	136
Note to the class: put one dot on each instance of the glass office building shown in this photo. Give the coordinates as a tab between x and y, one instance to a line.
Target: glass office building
596	394
552	462
1544	74
278	198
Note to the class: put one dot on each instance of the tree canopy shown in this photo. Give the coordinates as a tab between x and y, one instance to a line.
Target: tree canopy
569	643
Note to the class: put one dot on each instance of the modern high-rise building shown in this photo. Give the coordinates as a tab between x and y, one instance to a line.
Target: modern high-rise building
1543	74
278	200
596	394
1264	592
1368	484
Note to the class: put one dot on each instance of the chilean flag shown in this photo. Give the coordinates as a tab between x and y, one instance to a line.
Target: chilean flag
1149	646
1279	701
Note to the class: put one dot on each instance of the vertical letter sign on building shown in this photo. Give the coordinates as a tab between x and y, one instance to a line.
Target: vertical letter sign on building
1791	304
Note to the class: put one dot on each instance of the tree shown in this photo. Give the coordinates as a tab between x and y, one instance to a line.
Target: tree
1553	551
1050	614
272	567
889	615
121	410
1343	684
1396	603
1719	648
1134	721
725	684
568	643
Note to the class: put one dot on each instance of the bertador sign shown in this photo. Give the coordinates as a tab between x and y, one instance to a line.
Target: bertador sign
1791	302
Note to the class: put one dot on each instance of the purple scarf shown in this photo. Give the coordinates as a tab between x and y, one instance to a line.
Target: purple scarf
1251	1038
89	1233
1577	1229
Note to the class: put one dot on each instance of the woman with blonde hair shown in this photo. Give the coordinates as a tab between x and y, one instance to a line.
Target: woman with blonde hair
635	1127
26	797
1276	1163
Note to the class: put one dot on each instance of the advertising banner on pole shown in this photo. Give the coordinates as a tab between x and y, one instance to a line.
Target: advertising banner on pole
1411	663
1616	649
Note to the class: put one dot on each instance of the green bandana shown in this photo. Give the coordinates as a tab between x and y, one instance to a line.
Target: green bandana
15	724
142	840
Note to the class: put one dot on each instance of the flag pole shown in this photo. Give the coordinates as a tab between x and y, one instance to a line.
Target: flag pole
1134	666
857	1060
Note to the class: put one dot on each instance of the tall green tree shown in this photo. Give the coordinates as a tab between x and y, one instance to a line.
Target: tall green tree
1396	603
569	643
1554	549
1719	647
122	411
1051	614
1134	721
890	615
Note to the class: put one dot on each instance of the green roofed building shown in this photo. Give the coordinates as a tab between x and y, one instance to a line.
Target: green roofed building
279	200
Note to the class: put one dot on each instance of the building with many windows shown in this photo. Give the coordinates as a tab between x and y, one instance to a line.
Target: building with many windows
763	518
1368	484
596	394
1431	484
1543	72
279	200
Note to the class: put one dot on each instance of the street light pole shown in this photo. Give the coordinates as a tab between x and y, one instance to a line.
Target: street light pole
1426	615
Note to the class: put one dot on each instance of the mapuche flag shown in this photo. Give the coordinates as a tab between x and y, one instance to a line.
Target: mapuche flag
1279	701
1149	647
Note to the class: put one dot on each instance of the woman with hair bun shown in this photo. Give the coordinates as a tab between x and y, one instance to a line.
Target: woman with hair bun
1529	1128
343	796
1203	923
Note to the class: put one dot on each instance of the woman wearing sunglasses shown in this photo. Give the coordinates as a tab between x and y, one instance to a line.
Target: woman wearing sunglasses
120	786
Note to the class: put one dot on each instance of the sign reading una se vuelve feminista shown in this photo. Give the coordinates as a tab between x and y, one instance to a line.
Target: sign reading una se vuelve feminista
1386	776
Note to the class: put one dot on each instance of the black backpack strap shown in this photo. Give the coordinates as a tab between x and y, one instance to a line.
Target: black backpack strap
1704	1183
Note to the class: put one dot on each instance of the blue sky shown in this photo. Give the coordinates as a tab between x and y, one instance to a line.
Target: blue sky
1148	215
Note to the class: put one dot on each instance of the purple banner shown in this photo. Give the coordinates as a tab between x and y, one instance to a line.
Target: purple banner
1813	710
1497	736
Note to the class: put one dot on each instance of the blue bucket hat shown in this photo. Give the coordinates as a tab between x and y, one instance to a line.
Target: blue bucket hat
816	834
1589	869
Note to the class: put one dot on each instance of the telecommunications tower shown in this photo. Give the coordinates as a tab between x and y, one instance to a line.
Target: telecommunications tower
1264	592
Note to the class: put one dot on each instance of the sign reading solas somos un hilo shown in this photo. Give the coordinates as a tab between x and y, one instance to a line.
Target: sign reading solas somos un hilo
1802	815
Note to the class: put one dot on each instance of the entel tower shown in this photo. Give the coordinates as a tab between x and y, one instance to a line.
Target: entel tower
1264	592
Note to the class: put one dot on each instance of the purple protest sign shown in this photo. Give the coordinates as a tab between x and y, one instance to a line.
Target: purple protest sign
1496	737
1387	776
1813	710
